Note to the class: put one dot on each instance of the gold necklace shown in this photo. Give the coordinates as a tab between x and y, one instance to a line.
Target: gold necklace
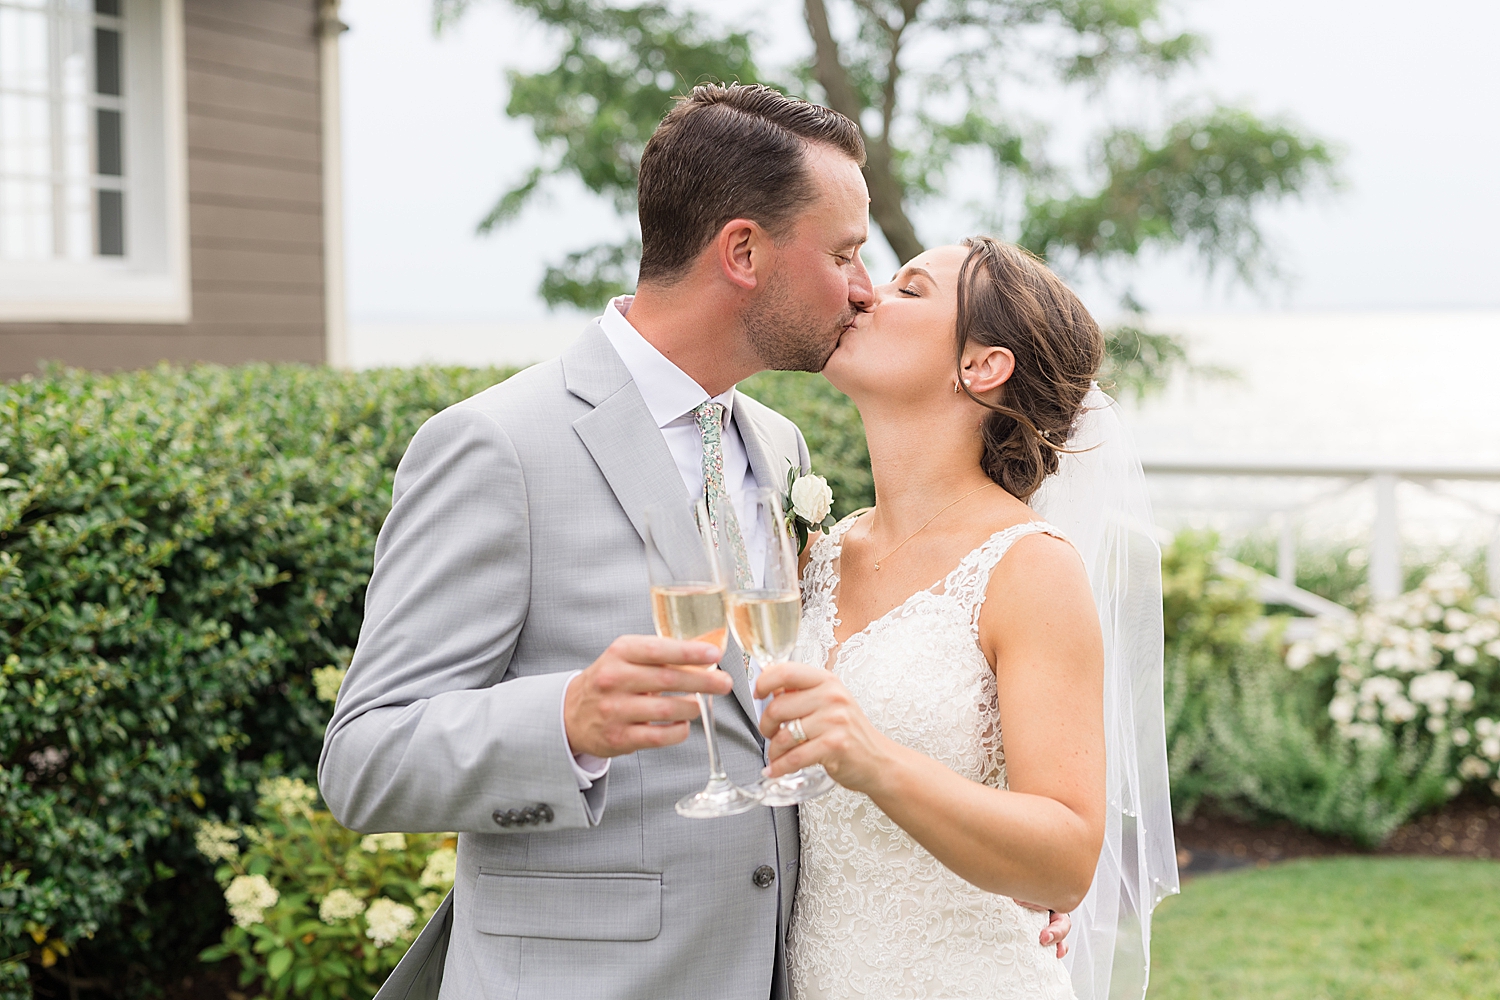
934	517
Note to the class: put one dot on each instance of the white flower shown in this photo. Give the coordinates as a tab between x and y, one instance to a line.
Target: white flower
286	795
1462	694
1434	724
375	842
1400	710
327	681
812	498
1460	737
1456	620
386	920
1341	710
1434	687
340	904
1490	747
428	902
1466	656
1472	768
1300	655
1482	632
249	896
442	865
1381	689
217	841
1366	733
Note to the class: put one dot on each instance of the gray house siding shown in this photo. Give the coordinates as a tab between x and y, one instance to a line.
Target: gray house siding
255	204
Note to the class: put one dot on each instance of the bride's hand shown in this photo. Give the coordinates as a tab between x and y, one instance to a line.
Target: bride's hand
839	736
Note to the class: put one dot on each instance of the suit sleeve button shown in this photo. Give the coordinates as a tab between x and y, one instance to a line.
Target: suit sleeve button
500	817
764	876
529	816
545	812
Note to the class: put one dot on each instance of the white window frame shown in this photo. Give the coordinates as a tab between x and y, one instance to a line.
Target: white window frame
150	283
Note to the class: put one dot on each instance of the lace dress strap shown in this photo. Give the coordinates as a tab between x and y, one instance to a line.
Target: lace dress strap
818	582
969	582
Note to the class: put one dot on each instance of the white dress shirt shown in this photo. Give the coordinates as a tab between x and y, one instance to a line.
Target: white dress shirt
671	395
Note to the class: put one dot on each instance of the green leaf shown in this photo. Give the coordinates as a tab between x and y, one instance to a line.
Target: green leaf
278	963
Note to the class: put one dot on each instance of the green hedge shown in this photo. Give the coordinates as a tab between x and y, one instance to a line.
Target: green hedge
178	550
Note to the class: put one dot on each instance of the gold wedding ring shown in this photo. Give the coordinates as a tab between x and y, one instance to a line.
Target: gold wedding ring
795	728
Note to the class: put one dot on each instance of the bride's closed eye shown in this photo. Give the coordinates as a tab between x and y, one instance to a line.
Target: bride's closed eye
909	290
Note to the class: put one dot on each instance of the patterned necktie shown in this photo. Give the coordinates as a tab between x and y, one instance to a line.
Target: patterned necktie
710	418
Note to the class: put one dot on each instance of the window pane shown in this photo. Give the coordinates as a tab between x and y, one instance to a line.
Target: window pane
23	50
111	156
25	219
110	7
25	137
111	224
106	61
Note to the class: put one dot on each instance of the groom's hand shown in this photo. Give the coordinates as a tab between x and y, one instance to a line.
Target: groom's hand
1059	926
616	705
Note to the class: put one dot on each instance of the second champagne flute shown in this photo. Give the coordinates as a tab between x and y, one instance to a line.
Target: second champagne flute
692	607
766	615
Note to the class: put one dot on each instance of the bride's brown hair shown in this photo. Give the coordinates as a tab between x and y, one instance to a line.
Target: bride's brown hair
1008	298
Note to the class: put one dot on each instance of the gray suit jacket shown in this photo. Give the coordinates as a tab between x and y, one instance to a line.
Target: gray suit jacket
512	556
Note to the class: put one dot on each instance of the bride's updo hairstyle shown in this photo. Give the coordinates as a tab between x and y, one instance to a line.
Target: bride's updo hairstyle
1008	298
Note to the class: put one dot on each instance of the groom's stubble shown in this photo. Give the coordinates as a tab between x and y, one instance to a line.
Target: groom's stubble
786	334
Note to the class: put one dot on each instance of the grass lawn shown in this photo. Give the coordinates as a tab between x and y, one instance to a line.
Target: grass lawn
1344	928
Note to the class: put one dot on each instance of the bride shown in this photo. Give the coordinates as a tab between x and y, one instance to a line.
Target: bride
993	733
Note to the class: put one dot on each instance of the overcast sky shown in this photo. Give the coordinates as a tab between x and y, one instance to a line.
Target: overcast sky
1411	92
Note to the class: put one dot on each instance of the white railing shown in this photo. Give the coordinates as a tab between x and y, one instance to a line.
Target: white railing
1385	541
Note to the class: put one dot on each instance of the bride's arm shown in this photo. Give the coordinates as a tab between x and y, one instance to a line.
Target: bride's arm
1040	839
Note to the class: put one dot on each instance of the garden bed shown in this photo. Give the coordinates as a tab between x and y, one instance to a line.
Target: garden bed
1214	840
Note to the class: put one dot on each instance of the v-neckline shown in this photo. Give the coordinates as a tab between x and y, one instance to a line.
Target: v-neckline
836	561
836	558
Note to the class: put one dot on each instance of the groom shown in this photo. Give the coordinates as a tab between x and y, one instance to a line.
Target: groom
507	684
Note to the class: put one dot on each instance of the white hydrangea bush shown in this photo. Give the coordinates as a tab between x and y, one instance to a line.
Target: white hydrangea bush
317	909
1428	659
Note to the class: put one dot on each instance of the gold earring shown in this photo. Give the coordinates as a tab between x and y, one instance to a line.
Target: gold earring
955	385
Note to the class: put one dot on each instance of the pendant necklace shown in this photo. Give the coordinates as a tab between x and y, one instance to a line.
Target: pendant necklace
934	517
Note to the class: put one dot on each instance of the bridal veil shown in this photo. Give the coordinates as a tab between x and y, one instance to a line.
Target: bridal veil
1098	498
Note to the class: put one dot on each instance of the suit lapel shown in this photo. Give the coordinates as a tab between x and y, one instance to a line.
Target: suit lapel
768	475
624	441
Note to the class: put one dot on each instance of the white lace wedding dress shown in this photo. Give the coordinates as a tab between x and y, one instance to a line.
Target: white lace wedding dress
876	915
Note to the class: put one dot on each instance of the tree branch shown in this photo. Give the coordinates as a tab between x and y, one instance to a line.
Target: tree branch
885	189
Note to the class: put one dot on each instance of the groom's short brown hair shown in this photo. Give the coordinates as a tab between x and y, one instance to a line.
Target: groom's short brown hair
729	152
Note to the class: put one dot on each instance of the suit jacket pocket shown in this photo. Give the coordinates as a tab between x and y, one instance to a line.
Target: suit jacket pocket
591	906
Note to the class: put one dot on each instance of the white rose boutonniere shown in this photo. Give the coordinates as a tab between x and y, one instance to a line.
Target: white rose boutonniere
808	504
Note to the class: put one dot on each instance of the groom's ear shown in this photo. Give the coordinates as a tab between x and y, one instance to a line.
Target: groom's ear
987	368
742	251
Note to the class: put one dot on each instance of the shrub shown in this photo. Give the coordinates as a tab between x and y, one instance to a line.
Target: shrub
1210	621
178	551
318	910
1421	671
1254	731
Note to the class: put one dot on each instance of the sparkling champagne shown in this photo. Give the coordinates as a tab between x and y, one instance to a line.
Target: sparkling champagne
765	622
691	611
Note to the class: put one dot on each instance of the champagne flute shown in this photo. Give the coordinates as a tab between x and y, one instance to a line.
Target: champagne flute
766	616
692	607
